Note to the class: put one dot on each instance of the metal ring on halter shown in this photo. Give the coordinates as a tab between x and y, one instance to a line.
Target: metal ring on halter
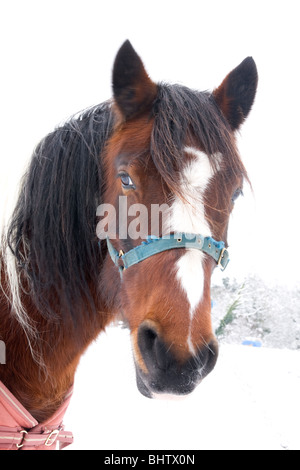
19	446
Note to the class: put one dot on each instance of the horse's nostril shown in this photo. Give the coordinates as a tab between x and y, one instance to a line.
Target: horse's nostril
146	341
162	356
149	336
152	348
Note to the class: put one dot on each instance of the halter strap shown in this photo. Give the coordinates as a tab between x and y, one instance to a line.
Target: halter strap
154	245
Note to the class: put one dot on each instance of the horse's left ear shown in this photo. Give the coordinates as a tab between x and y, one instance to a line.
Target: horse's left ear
236	94
134	91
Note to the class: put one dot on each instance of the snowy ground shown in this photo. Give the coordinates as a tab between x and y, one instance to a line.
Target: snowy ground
250	401
251	307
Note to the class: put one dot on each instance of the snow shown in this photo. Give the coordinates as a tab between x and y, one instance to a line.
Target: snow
252	307
250	401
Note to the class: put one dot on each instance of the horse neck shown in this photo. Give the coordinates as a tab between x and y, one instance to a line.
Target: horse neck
41	375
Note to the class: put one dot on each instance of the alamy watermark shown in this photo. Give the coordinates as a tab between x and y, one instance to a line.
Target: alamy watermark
137	221
2	352
134	221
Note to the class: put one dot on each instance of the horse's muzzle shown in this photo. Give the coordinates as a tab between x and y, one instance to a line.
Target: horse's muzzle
165	374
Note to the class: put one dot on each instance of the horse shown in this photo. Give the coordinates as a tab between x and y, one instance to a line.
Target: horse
65	275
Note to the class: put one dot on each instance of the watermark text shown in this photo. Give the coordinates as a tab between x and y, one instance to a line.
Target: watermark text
135	221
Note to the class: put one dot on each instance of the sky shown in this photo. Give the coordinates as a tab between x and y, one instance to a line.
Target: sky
57	57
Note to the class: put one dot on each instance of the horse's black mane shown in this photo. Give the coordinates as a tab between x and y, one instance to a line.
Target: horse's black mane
52	233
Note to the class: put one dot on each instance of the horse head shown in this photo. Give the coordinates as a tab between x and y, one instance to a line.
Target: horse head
172	167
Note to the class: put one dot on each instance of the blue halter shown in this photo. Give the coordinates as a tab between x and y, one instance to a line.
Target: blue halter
154	245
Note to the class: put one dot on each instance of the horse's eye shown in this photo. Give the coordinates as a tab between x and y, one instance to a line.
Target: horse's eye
127	182
238	192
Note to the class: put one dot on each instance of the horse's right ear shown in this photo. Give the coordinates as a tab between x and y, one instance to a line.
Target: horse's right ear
134	91
236	93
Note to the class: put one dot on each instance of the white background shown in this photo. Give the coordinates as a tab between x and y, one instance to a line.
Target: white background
56	59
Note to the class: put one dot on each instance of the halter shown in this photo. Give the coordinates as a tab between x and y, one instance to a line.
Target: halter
154	245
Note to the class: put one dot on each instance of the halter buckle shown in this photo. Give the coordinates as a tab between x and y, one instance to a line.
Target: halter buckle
221	256
52	438
220	259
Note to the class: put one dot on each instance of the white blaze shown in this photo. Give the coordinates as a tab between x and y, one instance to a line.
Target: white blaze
189	216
